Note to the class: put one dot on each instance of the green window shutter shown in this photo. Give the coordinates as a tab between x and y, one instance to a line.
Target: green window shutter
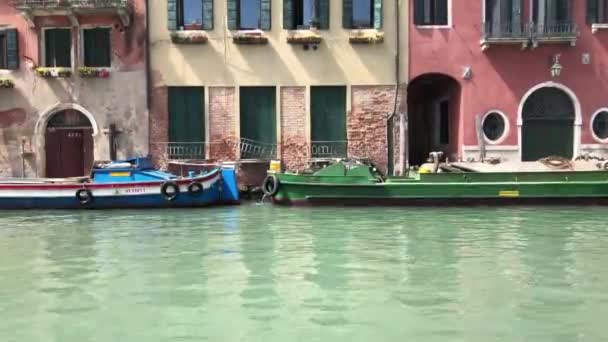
12	49
288	22
516	17
265	14
207	14
378	14
49	48
186	118
172	15
419	12
592	10
323	14
97	47
258	114
58	48
233	14
347	14
328	116
441	12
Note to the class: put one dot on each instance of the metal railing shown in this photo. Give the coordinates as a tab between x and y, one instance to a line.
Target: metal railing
51	4
556	30
251	149
185	150
505	31
328	149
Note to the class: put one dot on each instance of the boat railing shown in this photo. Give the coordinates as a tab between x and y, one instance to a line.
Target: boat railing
252	149
328	149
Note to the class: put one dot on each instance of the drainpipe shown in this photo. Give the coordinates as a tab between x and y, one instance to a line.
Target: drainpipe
148	70
402	120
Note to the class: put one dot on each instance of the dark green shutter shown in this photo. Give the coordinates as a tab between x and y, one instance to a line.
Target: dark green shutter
328	115
12	49
58	46
258	114
347	14
97	47
172	15
419	12
378	14
323	14
233	14
265	14
592	9
441	14
288	22
516	17
207	14
186	118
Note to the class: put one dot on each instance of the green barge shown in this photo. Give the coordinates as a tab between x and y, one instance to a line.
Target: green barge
347	183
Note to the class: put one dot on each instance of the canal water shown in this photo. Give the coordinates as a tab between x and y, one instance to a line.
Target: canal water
260	273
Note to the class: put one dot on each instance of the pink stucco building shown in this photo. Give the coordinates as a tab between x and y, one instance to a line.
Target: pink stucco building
533	71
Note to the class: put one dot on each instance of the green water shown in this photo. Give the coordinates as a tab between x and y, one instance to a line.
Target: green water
259	273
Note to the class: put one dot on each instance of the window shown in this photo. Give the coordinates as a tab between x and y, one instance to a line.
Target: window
552	13
3	51
190	14
359	14
599	125
97	47
304	14
597	11
431	12
258	122
58	47
328	122
248	14
186	123
494	126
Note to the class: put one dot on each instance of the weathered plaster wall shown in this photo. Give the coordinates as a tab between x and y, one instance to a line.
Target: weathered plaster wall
502	75
119	99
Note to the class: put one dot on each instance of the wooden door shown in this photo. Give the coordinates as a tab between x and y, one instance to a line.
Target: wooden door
69	152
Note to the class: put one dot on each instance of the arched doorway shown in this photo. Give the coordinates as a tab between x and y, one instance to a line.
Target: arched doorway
548	118
433	116
68	144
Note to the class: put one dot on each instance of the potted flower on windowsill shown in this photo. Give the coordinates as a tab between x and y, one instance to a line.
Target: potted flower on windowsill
189	37
366	36
249	37
54	72
304	36
89	72
6	83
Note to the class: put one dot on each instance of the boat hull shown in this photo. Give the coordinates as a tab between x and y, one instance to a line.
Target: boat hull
117	195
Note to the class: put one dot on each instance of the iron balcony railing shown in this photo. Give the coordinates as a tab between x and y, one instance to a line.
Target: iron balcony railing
505	31
554	30
56	4
251	149
185	150
328	149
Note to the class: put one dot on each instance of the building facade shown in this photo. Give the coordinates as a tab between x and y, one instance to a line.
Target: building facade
524	79
295	80
72	85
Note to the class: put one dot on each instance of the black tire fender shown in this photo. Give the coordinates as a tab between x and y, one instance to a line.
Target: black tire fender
195	189
84	196
270	187
167	194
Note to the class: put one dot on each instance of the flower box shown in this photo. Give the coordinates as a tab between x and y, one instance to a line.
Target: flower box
366	37
54	72
193	27
6	83
189	37
249	37
88	72
304	37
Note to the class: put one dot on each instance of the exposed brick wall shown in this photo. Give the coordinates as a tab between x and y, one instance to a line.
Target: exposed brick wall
294	148
222	124
159	124
367	125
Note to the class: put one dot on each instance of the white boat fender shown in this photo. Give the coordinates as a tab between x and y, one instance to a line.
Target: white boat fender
270	187
170	191
84	196
605	165
195	189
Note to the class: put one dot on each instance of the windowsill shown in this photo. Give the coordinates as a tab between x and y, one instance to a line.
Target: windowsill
189	37
596	27
303	37
52	72
365	36
249	37
94	72
432	27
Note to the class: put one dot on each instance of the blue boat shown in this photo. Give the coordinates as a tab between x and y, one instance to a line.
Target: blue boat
133	183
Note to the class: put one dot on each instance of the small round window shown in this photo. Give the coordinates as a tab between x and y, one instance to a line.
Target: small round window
494	126
600	125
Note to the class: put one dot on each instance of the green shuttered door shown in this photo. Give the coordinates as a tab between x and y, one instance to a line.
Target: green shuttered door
328	113
186	114
258	114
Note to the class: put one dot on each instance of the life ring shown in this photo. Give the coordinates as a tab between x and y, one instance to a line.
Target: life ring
195	189
270	187
169	190
84	196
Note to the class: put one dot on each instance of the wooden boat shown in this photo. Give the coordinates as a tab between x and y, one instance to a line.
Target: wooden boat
131	183
357	183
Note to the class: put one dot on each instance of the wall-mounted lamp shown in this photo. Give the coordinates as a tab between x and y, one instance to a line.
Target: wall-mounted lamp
556	68
467	73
